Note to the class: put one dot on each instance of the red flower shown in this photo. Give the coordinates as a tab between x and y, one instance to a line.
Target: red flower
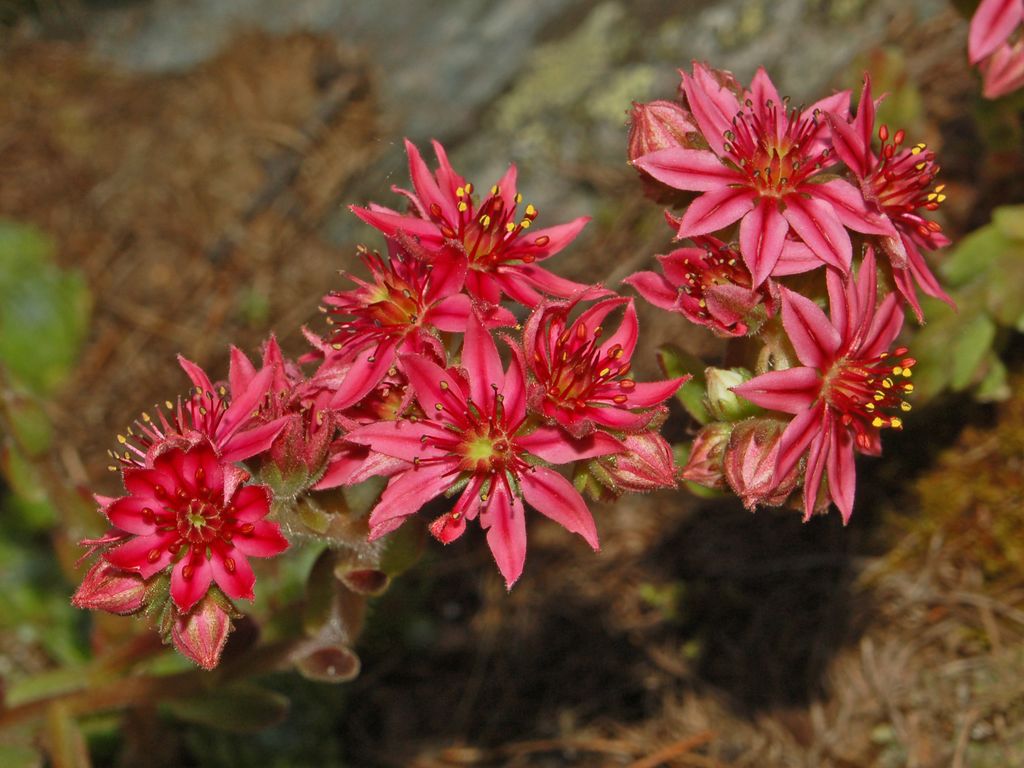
847	389
897	185
189	512
581	380
991	26
475	438
762	168
210	416
709	285
491	236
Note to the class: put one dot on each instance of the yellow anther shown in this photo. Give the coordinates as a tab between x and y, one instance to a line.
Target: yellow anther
878	422
525	223
905	407
898	370
940	187
907	373
887	383
530	210
908	387
122	439
869	407
168	405
462	207
518	198
941	199
604	372
702	303
510	227
896	423
469	188
460	192
494	190
920	166
916	150
485	221
879	397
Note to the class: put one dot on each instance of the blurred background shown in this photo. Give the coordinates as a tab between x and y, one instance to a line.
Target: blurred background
175	176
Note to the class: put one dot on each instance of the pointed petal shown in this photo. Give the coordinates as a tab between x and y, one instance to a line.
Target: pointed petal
848	203
798	435
243	404
815	339
625	335
240	372
712	105
436	390
819	227
514	392
790	391
849	144
542	279
196	374
991	25
762	90
407	492
762	236
250	442
186	592
885	327
264	539
251	503
545	242
450	314
716	210
431	195
134	514
504	519
366	372
654	288
842	471
647	393
144	555
556	446
817	458
796	259
697	170
399	439
482	363
232	572
391	223
555	497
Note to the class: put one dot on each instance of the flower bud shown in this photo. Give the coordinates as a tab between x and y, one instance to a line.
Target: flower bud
750	461
705	465
659	125
645	465
723	403
201	633
107	588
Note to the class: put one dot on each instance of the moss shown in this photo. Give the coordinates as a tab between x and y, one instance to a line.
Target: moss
973	499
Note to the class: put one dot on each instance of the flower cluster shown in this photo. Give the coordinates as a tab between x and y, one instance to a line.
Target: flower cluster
996	47
771	191
424	378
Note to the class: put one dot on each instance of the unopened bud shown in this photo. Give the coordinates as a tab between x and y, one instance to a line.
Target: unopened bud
645	464
705	465
106	588
201	634
659	125
723	403
750	460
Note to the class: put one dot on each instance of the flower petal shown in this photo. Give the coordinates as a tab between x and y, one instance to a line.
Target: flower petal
407	492
991	25
790	391
400	439
232	572
842	471
804	428
647	393
716	210
144	555
556	446
815	339
134	514
555	497
697	170
762	235
504	519
186	591
819	227
654	288
263	539
482	363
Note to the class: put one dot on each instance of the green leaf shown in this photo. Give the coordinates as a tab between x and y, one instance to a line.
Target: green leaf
675	362
402	549
994	386
64	740
970	347
44	311
974	255
1009	220
239	708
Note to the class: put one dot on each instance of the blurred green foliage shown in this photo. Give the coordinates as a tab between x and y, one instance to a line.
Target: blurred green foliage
960	350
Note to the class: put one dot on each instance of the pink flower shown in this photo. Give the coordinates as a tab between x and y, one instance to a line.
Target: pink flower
475	437
705	465
991	26
398	311
645	464
202	633
709	285
106	588
210	416
896	184
1003	71
846	391
189	512
580	373
490	235
750	460
762	168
